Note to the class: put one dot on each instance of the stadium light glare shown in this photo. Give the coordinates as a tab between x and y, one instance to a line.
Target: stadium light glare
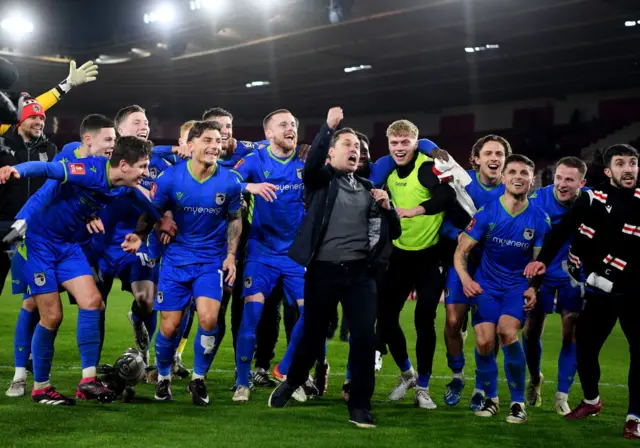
17	25
164	14
252	84
196	5
357	68
481	48
629	23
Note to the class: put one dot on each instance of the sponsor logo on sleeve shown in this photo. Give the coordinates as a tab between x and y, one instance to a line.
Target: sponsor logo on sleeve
77	169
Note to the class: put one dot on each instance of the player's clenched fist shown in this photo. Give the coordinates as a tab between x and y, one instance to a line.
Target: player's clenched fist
6	172
265	190
471	288
334	117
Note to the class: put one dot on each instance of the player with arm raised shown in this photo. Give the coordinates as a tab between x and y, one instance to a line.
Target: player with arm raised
205	201
55	258
511	231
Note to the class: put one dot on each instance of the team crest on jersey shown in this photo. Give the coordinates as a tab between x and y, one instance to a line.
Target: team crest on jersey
528	234
299	173
160	297
77	169
43	156
40	279
153	172
220	198
248	281
471	225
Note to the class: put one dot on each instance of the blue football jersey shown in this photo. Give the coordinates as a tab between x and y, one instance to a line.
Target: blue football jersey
481	193
242	150
200	209
546	199
84	191
508	242
274	225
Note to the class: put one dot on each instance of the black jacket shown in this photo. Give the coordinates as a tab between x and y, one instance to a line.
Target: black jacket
14	194
321	190
605	225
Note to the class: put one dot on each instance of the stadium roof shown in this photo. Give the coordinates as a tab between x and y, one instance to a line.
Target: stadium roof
416	50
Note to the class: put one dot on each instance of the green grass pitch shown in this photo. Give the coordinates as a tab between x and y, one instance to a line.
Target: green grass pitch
322	422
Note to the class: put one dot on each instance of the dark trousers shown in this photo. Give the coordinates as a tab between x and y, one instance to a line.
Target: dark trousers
408	270
5	268
593	327
353	285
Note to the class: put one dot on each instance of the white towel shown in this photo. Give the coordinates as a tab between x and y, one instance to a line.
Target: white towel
451	172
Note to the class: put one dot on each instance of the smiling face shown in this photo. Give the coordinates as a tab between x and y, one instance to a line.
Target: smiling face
517	179
206	148
136	125
226	132
490	160
32	127
402	148
282	131
345	152
623	171
567	183
134	174
101	142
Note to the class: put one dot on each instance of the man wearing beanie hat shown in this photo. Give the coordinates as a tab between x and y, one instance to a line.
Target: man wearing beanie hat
24	142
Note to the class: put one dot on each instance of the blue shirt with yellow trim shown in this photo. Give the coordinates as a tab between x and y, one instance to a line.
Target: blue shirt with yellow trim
274	225
200	209
547	200
508	242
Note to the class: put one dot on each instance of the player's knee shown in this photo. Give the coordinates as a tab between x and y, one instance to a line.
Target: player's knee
29	305
207	321
485	345
453	324
51	318
144	299
93	301
507	334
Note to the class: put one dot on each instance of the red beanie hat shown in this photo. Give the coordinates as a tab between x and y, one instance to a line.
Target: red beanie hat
31	108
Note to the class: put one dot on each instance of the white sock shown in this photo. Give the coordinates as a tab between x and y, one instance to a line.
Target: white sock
21	374
561	396
632	417
162	377
593	402
195	376
40	386
477	391
89	372
459	376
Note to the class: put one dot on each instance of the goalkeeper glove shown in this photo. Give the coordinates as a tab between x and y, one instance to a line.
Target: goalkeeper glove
87	72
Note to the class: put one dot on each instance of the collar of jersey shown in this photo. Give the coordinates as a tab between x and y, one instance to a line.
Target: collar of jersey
108	171
484	187
215	170
278	159
505	207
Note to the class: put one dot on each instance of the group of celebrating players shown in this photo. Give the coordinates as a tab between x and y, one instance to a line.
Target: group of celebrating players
183	225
